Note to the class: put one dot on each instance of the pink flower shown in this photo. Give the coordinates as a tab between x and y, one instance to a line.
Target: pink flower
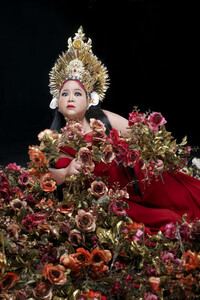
150	296
116	208
13	167
137	236
156	120
170	231
135	118
24	178
85	221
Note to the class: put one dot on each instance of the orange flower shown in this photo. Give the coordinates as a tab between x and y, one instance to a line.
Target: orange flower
76	261
188	281
91	295
190	260
65	208
48	185
154	283
45	203
37	157
8	281
55	274
99	257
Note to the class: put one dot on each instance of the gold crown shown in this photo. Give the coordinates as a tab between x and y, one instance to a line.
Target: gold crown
79	63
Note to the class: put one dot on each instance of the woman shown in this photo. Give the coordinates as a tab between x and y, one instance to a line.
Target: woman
78	80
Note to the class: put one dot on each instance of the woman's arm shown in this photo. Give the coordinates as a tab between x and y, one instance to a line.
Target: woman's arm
117	122
59	174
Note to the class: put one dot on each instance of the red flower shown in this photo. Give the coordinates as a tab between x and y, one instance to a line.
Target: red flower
48	186
8	281
132	158
135	118
33	220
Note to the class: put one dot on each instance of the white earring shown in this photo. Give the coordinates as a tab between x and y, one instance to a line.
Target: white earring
93	99
54	103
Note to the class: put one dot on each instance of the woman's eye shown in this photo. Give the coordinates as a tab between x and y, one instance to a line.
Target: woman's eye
64	94
77	94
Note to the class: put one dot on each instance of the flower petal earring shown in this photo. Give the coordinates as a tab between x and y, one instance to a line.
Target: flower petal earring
54	103
93	99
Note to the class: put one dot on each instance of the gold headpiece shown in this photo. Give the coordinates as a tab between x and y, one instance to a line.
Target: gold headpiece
79	63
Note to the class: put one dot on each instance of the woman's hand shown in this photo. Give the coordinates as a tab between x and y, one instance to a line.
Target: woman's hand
59	174
160	165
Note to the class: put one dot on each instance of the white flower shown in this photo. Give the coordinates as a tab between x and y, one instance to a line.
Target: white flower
94	99
196	162
54	103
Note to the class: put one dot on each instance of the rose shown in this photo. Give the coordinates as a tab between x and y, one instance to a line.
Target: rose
55	274
8	281
24	178
116	208
43	291
150	296
132	158
13	167
156	120
73	130
190	260
108	154
76	237
114	136
85	158
97	125
85	221
98	188
98	136
121	150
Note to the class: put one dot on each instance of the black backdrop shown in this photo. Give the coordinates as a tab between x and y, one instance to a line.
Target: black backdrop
150	49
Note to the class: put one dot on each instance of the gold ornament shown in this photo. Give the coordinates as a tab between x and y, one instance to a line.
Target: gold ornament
79	63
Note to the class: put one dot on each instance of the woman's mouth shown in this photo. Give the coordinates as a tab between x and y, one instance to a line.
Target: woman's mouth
70	106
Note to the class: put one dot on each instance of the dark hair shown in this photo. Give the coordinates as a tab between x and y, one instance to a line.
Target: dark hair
97	113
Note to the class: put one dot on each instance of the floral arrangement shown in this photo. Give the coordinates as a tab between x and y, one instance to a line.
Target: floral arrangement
84	246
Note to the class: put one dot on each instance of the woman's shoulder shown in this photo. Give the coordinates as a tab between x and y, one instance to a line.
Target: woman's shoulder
118	122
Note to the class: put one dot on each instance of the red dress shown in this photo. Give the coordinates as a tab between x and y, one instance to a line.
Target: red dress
160	203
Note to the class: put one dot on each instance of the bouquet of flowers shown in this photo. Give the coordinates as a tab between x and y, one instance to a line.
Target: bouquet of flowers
84	246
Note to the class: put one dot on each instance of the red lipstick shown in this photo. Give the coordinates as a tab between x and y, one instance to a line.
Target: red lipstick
70	106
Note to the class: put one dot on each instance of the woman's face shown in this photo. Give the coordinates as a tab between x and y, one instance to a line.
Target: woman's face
73	101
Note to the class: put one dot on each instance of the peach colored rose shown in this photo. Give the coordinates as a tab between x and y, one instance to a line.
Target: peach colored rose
97	125
55	274
47	133
108	154
85	221
98	188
